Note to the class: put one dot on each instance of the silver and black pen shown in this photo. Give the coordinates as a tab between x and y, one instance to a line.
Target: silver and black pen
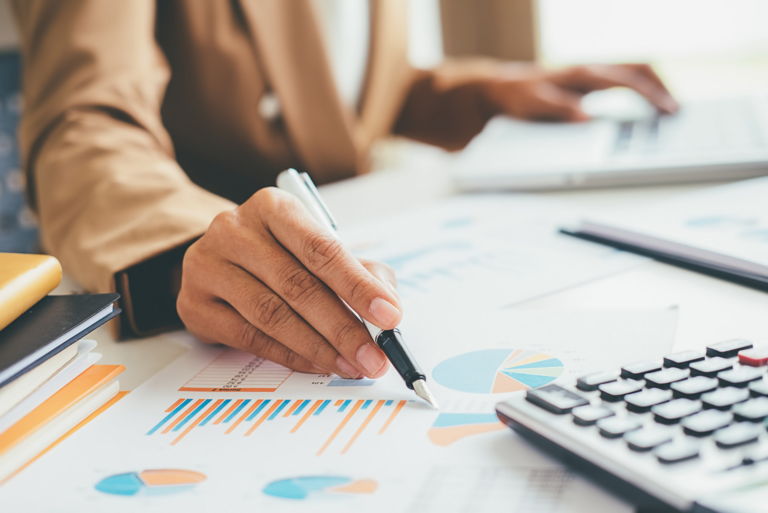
390	341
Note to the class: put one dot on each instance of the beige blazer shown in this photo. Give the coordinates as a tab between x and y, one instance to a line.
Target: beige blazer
142	119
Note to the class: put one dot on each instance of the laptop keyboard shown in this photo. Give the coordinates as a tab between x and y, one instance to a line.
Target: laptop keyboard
705	126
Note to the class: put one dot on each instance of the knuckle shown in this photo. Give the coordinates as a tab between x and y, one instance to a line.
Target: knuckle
322	250
345	335
271	312
251	338
300	285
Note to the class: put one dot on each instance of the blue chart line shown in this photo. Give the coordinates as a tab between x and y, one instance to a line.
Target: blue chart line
322	407
258	410
215	412
170	416
301	407
237	410
195	412
279	409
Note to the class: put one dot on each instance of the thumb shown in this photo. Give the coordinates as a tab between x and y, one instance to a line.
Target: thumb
553	103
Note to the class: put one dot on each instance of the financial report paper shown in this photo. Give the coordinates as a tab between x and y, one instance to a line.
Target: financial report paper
219	429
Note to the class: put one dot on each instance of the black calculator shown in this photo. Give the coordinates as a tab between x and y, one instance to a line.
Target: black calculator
686	433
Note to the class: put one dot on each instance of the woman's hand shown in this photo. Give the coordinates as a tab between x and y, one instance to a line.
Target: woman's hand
266	278
529	92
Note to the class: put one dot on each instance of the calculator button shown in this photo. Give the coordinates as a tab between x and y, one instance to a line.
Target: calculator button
590	382
754	410
693	388
724	398
738	434
616	427
679	450
648	438
706	422
710	367
616	391
662	379
638	370
756	357
759	388
739	377
729	348
673	411
589	415
641	402
555	399
683	360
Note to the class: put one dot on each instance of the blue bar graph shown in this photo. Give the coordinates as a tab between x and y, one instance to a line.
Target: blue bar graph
279	409
301	407
195	412
366	404
237	410
344	405
258	410
215	412
388	403
170	416
322	407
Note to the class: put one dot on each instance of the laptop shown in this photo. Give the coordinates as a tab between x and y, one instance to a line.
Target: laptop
626	143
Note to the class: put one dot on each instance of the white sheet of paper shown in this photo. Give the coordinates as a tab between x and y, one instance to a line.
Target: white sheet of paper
489	250
308	443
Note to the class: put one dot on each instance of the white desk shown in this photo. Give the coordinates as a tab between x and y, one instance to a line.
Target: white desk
711	310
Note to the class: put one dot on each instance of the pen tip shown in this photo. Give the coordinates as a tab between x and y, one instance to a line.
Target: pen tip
421	389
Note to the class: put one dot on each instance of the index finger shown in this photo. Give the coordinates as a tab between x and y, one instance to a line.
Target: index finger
326	257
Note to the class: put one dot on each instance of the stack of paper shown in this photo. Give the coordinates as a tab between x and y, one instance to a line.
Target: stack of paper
48	380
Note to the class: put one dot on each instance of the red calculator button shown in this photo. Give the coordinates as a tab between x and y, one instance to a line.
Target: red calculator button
756	357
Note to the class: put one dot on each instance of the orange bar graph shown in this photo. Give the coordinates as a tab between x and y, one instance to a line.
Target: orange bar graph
264	417
228	412
182	416
354	409
293	408
174	405
197	421
392	417
339	402
367	421
307	415
243	416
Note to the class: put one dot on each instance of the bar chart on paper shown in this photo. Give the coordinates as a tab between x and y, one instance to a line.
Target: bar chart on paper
336	424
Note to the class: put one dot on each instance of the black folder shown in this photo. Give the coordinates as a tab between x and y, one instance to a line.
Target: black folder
50	326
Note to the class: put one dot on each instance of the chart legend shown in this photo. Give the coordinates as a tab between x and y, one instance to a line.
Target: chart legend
238	371
497	371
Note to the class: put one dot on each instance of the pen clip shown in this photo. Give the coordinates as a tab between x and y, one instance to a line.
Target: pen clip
316	194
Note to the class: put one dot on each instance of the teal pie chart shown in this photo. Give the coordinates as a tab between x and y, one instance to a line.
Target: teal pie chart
498	371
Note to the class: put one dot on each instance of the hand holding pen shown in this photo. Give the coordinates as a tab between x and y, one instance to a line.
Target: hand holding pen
267	278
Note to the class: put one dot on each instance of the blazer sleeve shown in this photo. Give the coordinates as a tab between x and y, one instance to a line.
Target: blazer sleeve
100	166
445	106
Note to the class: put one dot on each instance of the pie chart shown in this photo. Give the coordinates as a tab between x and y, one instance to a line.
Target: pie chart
299	488
497	371
150	482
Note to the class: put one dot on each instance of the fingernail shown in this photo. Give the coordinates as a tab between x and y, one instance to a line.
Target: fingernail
348	370
370	358
384	312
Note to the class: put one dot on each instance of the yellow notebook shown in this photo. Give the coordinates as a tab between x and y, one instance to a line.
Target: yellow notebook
60	413
25	280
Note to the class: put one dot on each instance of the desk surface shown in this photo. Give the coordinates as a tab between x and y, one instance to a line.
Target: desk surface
710	310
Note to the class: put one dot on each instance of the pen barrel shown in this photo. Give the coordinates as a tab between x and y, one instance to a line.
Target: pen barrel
391	342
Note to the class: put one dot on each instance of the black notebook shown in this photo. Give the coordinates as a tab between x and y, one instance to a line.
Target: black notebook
52	325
